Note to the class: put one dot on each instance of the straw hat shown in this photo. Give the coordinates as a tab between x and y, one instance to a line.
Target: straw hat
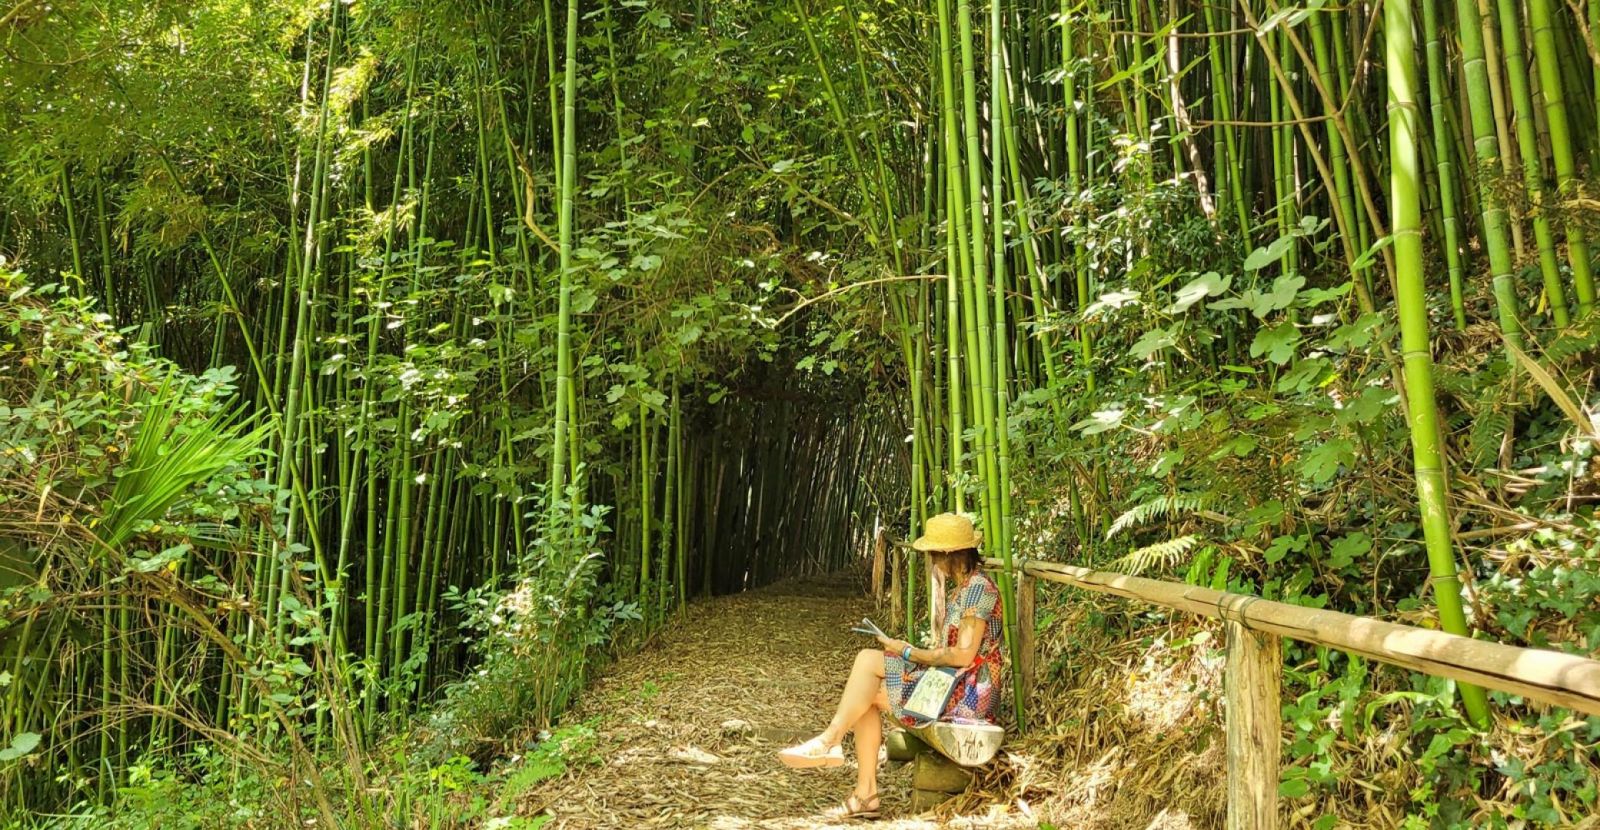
947	532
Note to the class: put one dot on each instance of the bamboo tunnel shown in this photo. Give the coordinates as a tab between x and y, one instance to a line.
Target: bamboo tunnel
790	490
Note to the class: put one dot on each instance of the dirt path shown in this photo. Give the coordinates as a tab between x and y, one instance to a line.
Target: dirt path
688	728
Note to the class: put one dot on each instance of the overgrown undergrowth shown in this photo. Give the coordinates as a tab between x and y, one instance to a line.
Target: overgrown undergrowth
1128	732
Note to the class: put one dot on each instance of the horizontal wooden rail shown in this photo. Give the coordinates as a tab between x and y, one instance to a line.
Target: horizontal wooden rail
1537	674
1252	675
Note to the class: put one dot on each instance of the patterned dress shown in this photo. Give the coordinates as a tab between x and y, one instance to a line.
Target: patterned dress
977	685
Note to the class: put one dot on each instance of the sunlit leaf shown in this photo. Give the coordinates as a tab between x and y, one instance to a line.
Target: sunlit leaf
1209	284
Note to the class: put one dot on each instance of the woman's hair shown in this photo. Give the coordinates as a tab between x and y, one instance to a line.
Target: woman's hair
962	562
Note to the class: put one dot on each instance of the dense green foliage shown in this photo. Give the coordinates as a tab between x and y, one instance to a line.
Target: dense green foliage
465	341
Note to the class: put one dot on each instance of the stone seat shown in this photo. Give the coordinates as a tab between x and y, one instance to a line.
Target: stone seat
943	756
967	744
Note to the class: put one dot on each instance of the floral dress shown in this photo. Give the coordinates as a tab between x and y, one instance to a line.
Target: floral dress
977	685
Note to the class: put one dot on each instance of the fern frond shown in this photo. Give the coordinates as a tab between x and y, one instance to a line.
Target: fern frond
1164	554
1157	508
1571	344
1483	440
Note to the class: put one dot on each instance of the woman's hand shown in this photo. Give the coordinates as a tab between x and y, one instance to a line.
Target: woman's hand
892	645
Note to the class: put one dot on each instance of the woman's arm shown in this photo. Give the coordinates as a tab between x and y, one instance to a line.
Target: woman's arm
959	656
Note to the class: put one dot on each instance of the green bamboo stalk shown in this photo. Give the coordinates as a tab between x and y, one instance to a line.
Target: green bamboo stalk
1561	146
103	225
1502	121
957	258
290	427
1030	255
1344	197
677	485
1229	178
569	184
1411	303
1437	94
836	109
1532	166
668	494
1076	182
1141	107
74	244
1486	145
979	347
1000	486
1594	32
646	473
919	440
1283	186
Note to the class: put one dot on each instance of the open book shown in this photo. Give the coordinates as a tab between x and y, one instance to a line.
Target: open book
933	690
867	627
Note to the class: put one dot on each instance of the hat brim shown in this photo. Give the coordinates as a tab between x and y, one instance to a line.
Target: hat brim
927	545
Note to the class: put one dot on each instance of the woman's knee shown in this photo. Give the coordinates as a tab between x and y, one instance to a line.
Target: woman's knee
869	659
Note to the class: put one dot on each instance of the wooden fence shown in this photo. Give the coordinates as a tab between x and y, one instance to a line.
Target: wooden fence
1252	676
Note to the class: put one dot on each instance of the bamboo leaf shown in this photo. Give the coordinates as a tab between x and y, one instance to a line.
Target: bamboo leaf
1370	255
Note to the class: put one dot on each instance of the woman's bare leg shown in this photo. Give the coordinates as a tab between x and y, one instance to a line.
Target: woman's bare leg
860	692
869	736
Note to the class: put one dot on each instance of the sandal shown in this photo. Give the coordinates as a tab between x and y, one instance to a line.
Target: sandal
854	807
812	754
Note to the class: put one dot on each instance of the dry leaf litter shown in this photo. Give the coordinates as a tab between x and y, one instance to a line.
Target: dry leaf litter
1125	727
689	726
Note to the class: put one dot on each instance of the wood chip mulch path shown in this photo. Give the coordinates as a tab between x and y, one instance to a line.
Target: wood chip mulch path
688	727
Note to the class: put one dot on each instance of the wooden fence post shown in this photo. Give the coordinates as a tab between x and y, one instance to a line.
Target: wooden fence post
1027	631
1251	681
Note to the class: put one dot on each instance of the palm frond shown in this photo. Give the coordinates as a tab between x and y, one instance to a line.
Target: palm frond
172	454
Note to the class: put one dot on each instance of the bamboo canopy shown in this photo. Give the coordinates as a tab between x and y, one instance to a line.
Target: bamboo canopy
1538	674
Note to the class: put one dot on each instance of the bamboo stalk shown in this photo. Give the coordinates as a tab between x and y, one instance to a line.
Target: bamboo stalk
1561	146
1486	145
1532	166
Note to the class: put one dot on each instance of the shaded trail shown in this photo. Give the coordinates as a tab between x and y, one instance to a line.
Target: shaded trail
773	661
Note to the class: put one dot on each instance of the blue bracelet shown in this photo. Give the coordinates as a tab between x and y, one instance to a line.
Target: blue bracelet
905	654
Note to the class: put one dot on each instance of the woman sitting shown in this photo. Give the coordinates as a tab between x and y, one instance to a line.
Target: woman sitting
881	681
